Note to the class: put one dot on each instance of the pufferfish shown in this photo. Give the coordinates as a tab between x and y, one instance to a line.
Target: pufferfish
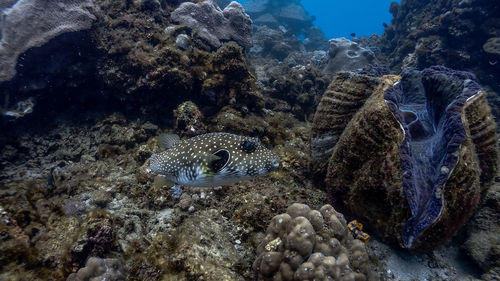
211	159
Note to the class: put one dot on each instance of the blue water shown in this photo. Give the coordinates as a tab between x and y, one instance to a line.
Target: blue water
341	18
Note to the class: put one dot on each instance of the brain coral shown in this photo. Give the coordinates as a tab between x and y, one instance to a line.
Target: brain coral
410	155
305	244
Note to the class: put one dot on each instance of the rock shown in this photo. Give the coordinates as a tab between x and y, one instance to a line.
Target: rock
380	165
182	41
101	198
214	25
95	237
274	43
32	23
199	249
483	241
189	120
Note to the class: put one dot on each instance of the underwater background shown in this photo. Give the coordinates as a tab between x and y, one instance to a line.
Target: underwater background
250	140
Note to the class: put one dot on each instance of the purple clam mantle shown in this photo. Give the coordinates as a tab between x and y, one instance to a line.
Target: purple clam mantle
434	134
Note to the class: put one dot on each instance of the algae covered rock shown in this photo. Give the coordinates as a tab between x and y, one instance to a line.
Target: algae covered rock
189	120
410	156
159	65
201	248
462	35
305	244
483	241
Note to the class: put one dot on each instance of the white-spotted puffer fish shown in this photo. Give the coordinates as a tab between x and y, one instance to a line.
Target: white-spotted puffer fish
212	159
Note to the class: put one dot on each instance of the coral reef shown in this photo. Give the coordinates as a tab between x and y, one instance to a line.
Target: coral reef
274	43
451	33
230	82
33	233
300	86
96	237
51	18
273	19
189	120
483	242
89	181
214	25
346	55
83	110
100	269
290	77
305	244
290	14
492	46
382	153
147	60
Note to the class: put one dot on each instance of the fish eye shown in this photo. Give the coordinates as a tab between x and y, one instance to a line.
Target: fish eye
248	146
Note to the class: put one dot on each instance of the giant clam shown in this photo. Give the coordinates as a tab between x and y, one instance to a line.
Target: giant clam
409	155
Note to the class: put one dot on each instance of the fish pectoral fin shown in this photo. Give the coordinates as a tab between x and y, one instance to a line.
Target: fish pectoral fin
162	181
167	141
218	160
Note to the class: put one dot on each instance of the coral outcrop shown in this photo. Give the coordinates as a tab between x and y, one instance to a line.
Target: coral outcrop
189	120
305	244
32	23
290	14
274	43
301	87
287	17
111	269
214	25
410	156
162	65
346	55
492	46
451	33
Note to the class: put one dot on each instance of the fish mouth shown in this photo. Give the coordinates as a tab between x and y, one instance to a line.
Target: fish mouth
154	164
275	163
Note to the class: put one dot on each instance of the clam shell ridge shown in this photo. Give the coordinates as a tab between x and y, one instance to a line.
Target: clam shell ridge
414	157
